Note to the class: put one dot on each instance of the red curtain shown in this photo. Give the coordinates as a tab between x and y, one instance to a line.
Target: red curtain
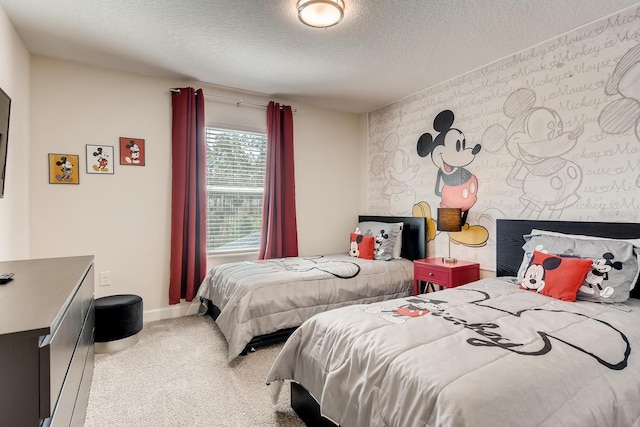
188	196
279	229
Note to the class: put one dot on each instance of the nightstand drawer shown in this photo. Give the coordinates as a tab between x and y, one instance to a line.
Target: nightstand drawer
445	274
431	274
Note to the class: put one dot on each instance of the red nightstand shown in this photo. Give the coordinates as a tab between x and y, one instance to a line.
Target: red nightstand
449	275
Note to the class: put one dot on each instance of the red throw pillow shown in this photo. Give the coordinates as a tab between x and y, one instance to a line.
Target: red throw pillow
554	276
361	246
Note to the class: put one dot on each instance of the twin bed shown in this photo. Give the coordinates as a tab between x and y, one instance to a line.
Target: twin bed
256	303
496	352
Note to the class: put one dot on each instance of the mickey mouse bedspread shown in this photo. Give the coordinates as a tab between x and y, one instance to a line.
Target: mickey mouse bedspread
483	354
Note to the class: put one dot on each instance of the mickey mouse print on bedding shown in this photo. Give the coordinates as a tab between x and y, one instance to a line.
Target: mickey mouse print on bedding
482	354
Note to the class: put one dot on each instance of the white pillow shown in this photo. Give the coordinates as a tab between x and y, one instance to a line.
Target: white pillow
397	249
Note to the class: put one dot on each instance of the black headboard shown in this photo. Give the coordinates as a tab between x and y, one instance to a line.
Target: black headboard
414	234
510	231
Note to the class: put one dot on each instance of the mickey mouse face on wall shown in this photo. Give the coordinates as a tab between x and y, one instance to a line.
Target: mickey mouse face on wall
623	114
534	134
449	149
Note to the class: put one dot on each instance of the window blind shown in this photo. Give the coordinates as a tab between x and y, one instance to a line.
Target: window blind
235	187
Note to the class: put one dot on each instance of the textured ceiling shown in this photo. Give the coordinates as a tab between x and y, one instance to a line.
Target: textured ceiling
382	51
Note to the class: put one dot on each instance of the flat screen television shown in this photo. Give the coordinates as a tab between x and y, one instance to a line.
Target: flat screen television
5	109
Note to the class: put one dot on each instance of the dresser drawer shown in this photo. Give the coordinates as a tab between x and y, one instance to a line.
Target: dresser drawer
58	348
80	409
66	402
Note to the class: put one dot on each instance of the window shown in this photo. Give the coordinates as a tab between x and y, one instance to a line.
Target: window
235	187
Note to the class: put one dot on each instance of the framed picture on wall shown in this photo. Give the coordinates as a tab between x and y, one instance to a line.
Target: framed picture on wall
100	159
63	169
132	151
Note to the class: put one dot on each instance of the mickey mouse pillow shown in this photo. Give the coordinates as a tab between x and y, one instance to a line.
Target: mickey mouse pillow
387	238
554	276
361	246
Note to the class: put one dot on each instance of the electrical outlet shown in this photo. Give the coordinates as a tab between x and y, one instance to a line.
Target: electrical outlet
105	278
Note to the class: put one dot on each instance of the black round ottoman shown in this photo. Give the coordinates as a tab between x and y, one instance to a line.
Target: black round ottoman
118	321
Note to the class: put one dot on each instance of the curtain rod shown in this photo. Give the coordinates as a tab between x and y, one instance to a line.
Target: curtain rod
236	101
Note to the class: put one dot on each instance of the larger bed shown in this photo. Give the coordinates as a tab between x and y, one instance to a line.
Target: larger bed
489	353
256	303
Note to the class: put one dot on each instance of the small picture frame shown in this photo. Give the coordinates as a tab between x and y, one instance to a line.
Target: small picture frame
100	159
132	151
64	168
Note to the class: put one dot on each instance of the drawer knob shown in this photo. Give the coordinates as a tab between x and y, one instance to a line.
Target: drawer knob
430	274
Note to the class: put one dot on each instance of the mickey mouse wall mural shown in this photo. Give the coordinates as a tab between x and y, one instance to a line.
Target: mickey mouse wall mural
456	186
398	171
623	114
536	139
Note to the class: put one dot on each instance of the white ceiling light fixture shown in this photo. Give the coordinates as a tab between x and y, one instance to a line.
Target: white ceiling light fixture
320	13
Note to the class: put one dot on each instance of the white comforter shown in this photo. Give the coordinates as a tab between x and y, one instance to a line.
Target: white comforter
483	354
261	297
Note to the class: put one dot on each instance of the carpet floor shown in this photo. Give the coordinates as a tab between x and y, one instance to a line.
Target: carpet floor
178	375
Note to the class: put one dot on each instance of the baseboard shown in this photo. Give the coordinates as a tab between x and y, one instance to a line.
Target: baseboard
177	310
484	273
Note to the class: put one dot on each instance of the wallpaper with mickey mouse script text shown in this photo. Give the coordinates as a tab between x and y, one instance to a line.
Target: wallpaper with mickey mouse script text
551	132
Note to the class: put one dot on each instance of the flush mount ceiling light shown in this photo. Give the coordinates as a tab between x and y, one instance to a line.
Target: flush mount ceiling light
320	13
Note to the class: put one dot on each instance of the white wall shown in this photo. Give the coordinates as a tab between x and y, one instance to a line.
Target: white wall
124	218
14	207
329	153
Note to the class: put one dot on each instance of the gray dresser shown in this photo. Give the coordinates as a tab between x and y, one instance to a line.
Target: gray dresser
46	341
